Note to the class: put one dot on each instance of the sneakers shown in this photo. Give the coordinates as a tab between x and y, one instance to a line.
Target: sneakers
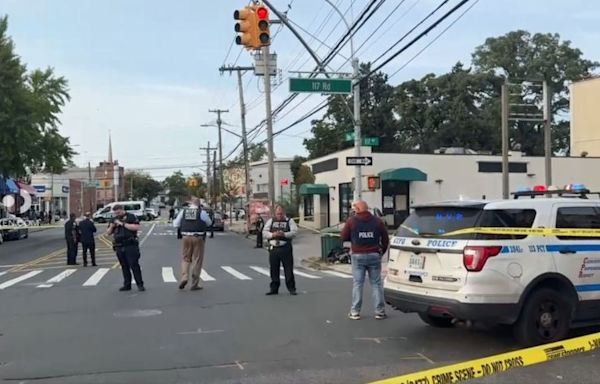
354	316
293	293
380	316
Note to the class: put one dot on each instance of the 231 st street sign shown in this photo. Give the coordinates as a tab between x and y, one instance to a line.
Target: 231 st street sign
327	86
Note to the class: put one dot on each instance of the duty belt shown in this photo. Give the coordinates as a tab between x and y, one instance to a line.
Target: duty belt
197	234
277	243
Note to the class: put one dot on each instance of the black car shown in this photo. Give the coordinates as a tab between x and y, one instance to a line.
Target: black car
13	233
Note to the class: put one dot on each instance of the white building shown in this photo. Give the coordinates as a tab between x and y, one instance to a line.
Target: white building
399	181
259	179
52	192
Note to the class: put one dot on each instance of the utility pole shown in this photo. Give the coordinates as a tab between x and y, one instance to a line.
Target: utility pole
243	121
357	137
505	138
208	148
90	186
215	186
547	97
271	165
219	122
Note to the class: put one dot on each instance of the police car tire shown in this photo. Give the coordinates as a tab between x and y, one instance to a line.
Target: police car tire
437	321
527	330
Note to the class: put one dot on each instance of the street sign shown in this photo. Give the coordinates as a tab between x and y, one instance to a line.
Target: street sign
371	141
284	182
363	160
328	86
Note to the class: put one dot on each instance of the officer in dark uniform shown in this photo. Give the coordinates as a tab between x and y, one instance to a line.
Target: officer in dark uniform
124	226
260	224
87	230
71	238
280	231
211	216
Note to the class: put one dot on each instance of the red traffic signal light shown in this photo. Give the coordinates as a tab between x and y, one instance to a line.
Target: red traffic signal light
262	14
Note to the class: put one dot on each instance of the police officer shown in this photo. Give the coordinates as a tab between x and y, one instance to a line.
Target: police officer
211	215
370	240
280	231
260	224
124	227
193	222
71	238
87	230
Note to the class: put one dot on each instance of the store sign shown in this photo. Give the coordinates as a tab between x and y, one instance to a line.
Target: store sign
65	189
40	188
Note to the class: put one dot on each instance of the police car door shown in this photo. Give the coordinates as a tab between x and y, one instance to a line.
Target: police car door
578	258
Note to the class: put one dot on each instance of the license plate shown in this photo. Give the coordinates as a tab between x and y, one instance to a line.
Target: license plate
416	262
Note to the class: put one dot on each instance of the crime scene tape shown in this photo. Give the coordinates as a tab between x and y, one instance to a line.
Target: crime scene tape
491	365
575	232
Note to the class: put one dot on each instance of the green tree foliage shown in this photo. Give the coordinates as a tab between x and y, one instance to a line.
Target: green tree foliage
29	107
176	186
519	55
144	186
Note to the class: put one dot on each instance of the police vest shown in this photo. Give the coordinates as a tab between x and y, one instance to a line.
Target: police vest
191	221
365	232
123	235
281	225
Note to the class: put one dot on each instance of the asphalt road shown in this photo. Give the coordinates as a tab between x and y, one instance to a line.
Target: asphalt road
82	330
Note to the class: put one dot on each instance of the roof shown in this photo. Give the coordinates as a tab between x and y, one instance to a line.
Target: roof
314	189
278	160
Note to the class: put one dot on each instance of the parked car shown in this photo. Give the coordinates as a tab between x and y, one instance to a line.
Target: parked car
219	223
151	214
13	233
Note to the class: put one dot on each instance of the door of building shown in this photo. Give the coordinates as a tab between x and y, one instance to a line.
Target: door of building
395	202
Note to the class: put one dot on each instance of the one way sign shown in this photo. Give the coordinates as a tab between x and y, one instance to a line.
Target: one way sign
364	160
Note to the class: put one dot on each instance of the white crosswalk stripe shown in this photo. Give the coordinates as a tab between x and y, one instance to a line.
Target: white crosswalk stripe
168	275
264	271
338	274
58	278
235	273
300	273
17	280
2	273
205	276
96	277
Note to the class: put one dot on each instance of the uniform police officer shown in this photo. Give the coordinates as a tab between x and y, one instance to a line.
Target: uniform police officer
280	231
124	227
370	240
193	222
260	224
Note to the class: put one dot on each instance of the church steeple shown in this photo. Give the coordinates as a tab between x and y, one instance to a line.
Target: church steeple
110	154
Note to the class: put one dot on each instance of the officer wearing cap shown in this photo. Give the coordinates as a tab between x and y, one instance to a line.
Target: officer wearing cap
280	231
124	227
193	221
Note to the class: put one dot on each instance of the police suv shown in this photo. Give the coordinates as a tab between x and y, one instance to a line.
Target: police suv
540	284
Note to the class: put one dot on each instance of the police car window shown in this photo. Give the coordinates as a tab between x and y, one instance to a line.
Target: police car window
507	218
578	217
436	221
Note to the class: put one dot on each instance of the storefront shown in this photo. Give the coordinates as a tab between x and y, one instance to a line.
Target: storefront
52	194
315	205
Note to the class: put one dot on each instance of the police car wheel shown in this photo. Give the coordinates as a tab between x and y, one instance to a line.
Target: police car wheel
545	317
437	321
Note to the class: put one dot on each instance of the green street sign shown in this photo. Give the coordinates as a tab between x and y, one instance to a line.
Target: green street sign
366	141
328	86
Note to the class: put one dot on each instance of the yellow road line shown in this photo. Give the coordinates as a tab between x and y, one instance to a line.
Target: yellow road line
35	261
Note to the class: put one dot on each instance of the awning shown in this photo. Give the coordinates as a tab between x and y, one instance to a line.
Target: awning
27	188
314	189
8	186
403	174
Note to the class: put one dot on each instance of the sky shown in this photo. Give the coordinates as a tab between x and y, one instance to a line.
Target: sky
147	70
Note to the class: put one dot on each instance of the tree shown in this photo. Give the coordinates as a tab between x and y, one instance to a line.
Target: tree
518	56
198	188
176	186
29	107
377	118
140	186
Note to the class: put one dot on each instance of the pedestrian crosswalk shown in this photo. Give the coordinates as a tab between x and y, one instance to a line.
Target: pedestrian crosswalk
93	277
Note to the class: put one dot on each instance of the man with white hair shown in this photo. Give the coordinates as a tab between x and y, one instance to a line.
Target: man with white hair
193	222
280	231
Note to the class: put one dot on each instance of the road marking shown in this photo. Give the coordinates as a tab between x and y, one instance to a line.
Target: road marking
2	273
147	234
38	260
426	358
58	278
96	277
200	331
338	274
235	273
299	273
17	280
168	275
264	271
205	276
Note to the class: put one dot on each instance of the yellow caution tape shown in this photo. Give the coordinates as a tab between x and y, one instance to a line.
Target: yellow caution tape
495	364
575	232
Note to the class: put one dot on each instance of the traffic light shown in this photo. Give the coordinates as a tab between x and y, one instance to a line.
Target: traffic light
373	183
262	18
246	27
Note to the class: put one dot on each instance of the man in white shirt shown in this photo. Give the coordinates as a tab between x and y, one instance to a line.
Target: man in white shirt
279	231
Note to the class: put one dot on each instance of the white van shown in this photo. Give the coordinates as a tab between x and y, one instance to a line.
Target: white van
137	208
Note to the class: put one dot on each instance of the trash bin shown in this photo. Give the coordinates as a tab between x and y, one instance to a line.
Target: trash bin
330	239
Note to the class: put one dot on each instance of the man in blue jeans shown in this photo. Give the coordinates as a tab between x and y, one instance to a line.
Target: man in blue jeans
370	240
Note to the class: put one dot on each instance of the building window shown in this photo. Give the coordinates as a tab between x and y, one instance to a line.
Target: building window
345	200
325	166
309	208
496	167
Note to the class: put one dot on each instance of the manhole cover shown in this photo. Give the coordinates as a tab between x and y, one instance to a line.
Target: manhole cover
138	313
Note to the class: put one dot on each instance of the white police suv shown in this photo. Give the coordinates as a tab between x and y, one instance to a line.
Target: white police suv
542	285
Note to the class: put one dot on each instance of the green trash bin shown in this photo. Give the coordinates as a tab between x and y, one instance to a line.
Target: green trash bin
330	239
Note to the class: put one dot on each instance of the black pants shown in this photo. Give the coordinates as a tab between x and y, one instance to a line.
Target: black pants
259	239
92	248
129	258
71	251
282	255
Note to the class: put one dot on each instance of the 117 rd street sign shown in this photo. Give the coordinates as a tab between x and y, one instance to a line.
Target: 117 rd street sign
364	160
328	86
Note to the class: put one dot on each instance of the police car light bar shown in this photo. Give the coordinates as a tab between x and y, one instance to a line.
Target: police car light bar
580	193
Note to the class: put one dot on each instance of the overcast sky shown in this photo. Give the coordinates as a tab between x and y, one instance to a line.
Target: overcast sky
147	70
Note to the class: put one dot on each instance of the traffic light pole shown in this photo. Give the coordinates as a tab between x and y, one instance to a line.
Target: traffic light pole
271	165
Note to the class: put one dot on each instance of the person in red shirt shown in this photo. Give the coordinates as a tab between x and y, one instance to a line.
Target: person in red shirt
370	240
